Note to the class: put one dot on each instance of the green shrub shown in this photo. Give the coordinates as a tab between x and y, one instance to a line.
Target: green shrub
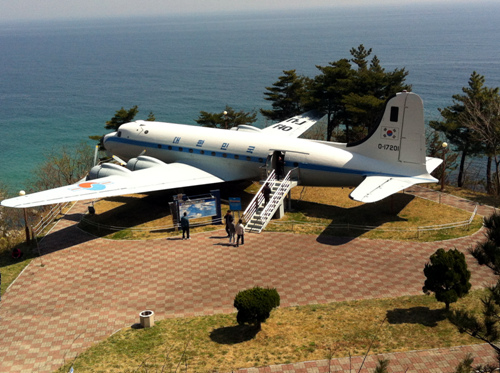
255	305
447	276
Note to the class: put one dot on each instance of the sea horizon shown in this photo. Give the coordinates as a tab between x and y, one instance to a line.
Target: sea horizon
62	80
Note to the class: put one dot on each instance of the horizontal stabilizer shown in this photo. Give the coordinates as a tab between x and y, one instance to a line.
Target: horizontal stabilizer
432	163
375	188
296	126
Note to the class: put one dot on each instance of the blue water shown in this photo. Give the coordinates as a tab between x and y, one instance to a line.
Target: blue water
61	81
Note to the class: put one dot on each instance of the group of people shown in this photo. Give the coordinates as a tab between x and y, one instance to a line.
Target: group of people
232	229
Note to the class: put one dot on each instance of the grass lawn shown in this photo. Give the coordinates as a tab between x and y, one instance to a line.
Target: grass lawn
315	211
292	334
11	268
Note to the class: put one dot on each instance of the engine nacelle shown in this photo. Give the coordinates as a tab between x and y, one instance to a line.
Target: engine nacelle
107	169
142	162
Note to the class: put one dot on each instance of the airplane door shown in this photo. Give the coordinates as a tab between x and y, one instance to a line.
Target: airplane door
275	161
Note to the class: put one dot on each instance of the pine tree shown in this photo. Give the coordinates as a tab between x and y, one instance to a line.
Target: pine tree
447	276
286	96
121	116
458	125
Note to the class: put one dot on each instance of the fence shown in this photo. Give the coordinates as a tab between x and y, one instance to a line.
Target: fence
99	226
48	218
417	230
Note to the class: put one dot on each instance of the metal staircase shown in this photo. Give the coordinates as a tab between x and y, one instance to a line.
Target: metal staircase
258	214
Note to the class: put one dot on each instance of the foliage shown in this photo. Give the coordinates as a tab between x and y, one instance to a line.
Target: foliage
485	326
434	142
488	252
255	305
227	119
286	96
125	116
10	224
464	118
447	276
382	366
352	93
482	117
465	366
63	167
121	116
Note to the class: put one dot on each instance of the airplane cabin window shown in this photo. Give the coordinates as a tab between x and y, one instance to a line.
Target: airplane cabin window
146	132
213	153
190	150
224	155
180	149
159	146
169	147
236	156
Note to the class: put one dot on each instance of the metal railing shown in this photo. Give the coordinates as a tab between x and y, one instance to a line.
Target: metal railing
151	229
417	230
48	218
259	198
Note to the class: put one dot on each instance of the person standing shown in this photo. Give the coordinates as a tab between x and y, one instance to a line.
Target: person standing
267	192
228	218
185	227
280	167
240	232
232	233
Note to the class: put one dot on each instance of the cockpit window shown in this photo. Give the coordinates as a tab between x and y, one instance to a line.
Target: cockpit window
119	134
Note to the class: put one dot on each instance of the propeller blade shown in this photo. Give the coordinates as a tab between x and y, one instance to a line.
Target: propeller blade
119	160
95	154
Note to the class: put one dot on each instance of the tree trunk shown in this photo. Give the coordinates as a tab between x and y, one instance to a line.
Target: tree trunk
497	176
460	180
488	176
329	127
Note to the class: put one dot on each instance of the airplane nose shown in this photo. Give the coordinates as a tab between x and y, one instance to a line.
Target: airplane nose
106	139
107	144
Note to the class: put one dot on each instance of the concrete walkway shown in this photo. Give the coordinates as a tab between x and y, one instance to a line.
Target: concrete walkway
83	289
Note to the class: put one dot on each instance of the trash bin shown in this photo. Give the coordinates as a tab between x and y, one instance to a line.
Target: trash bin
147	318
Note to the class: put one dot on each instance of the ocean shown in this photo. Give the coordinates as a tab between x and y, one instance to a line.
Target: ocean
60	81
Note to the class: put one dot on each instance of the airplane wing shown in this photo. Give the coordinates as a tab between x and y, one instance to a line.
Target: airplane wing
296	126
375	188
158	177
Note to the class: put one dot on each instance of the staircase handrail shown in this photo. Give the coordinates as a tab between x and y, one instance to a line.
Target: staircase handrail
258	198
276	199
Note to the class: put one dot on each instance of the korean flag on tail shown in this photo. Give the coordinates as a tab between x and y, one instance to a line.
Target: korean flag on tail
390	133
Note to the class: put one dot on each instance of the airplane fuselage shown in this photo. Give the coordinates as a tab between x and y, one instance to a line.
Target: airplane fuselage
391	158
237	155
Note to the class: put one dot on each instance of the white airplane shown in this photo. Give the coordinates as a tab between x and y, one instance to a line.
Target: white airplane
390	159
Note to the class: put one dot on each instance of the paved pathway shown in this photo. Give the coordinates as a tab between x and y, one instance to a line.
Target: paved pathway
83	289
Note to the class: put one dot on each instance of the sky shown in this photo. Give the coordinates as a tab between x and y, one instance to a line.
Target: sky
22	10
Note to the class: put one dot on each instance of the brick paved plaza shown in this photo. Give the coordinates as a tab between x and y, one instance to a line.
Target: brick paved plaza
83	288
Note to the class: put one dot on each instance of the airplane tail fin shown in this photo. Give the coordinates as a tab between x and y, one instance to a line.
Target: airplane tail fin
399	142
400	135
